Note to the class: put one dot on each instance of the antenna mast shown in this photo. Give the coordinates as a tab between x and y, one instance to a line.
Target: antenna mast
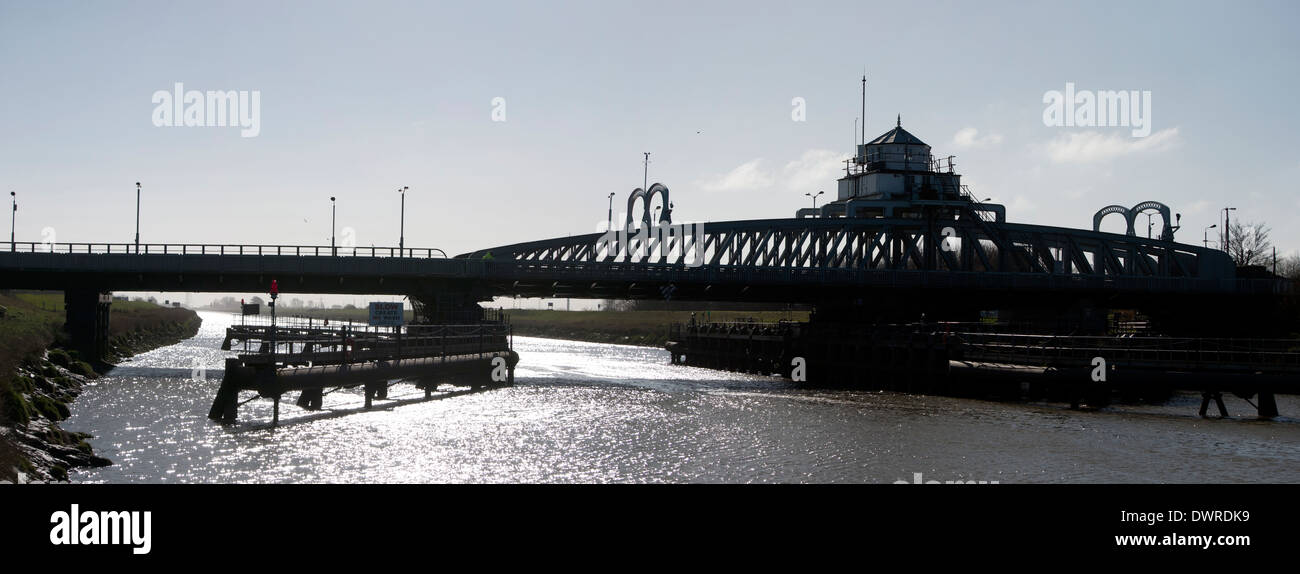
864	109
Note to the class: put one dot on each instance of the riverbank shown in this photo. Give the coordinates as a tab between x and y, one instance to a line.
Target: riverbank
39	378
644	328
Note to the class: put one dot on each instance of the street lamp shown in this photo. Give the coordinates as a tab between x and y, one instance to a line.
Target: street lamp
1205	235
401	238
609	225
333	212
13	217
1149	224
137	217
1226	246
814	197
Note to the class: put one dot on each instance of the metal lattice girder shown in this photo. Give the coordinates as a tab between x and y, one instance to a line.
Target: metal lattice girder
880	243
753	255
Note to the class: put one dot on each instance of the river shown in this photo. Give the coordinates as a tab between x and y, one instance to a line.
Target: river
587	412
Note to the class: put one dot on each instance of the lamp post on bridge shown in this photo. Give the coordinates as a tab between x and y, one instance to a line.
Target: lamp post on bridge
137	218
401	239
814	197
1205	235
13	218
333	212
609	225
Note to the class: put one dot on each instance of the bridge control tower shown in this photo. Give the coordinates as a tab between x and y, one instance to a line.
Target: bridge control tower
896	175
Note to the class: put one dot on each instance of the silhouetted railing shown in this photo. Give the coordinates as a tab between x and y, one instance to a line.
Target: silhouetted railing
224	249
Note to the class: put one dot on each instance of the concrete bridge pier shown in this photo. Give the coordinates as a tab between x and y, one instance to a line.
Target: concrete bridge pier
447	307
87	321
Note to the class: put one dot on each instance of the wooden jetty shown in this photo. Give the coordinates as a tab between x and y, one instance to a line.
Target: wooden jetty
977	360
311	356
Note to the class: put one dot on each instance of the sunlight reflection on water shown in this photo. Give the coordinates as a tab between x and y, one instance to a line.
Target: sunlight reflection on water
586	412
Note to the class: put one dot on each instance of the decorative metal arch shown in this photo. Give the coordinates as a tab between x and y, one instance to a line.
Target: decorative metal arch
1130	217
648	195
1109	209
1166	233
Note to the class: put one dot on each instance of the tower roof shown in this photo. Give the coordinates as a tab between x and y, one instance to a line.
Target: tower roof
898	135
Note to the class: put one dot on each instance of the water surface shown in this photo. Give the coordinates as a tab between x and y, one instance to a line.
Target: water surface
587	412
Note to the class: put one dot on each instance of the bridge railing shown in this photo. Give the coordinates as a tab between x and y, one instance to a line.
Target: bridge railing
224	249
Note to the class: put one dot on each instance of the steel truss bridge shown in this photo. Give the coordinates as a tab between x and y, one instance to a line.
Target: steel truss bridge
791	260
941	256
799	260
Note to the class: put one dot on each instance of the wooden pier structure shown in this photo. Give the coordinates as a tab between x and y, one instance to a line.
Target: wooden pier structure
978	360
310	356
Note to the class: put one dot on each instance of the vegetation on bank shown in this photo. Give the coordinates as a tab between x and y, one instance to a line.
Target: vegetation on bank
40	376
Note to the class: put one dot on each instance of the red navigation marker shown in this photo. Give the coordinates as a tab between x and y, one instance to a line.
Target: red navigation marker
275	288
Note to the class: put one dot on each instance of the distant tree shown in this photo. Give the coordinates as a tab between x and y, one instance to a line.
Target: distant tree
1249	244
257	300
1289	267
296	303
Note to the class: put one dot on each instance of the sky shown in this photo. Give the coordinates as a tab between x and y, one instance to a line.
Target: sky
513	121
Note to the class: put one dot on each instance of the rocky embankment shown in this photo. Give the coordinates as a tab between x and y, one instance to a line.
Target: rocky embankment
37	392
38	398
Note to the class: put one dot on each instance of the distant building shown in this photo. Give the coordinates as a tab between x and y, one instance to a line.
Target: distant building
896	175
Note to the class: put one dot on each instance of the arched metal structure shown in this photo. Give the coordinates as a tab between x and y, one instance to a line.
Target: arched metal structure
648	195
1167	232
1130	217
1111	209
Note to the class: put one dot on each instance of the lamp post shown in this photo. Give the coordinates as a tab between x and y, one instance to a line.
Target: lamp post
1226	246
401	238
814	197
645	176
13	218
1205	235
333	212
137	217
609	225
1149	224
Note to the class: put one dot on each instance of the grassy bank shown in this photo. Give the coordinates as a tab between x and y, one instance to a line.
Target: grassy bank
39	377
648	328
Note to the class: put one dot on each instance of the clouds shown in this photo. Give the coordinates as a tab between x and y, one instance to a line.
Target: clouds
815	169
746	176
1094	147
969	138
1198	206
